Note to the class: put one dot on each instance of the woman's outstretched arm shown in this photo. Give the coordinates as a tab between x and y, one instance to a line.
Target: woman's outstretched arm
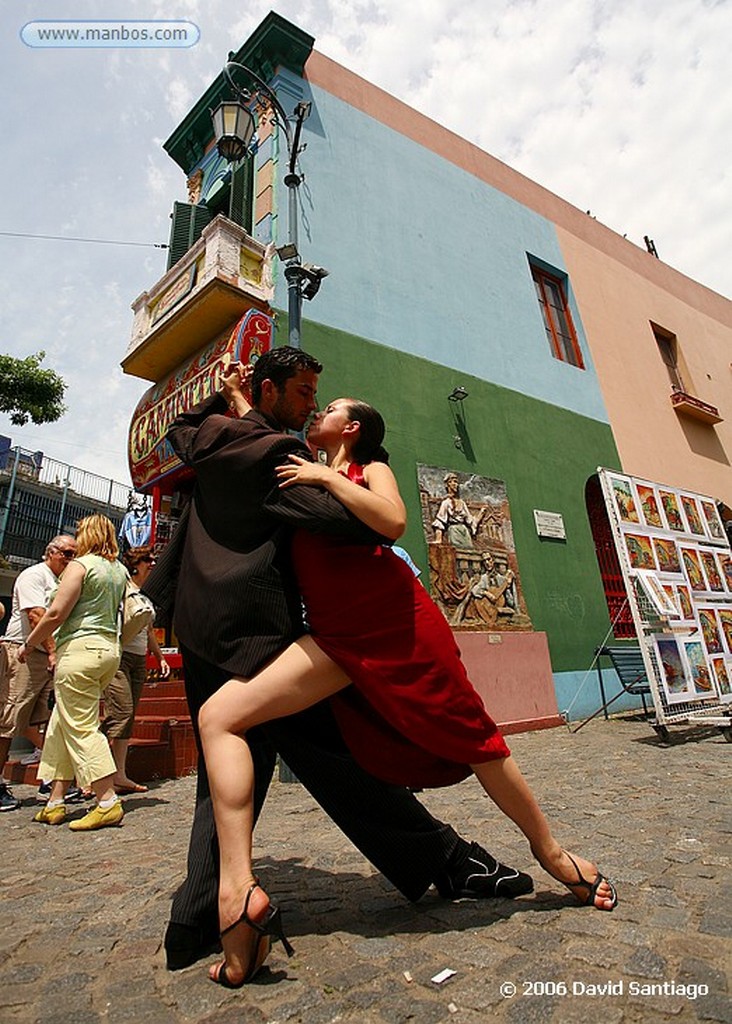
379	505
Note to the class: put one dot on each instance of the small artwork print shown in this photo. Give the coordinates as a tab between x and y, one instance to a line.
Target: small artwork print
670	505
700	675
714	525
672	669
687	611
725	618
693	569
624	500
725	566
649	505
673	598
714	577
722	673
692	515
654	590
666	555
640	551
710	631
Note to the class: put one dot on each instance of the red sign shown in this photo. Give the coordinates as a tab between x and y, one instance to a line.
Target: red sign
150	455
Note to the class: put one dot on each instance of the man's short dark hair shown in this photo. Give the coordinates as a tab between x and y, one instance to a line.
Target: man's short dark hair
278	365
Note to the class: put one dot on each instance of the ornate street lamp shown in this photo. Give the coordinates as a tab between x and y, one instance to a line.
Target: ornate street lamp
234	127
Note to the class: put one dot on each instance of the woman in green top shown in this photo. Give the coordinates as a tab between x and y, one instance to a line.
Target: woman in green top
84	616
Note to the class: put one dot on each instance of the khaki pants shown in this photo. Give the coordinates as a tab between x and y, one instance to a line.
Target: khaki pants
123	695
24	690
74	745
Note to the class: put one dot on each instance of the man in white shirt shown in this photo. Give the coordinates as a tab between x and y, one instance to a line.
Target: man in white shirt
25	688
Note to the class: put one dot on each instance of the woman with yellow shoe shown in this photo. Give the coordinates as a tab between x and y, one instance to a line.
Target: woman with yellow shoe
84	616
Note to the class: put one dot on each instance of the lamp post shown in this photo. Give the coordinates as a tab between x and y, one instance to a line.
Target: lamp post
234	129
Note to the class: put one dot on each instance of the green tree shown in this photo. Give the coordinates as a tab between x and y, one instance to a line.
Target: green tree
29	392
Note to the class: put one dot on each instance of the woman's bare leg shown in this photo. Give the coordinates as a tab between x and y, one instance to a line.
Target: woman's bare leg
509	790
299	677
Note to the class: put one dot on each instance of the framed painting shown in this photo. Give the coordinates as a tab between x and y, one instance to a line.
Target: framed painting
712	520
674	676
693	569
725	620
670	505
710	630
673	598
684	598
654	590
649	505
667	555
693	516
624	499
725	568
722	670
640	551
701	676
711	568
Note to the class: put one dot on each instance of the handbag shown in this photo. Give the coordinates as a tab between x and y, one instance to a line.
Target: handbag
137	613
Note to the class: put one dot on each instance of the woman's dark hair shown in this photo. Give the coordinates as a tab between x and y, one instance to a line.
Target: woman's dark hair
368	448
278	365
133	556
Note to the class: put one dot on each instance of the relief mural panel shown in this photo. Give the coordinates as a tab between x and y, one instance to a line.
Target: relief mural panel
474	575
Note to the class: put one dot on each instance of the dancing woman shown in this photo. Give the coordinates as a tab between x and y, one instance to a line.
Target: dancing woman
374	626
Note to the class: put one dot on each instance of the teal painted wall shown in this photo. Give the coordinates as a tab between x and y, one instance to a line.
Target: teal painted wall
425	258
430	287
544	454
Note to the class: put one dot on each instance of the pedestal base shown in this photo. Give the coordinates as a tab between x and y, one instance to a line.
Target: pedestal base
512	672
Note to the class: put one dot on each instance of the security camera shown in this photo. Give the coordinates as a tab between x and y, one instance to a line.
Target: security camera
310	277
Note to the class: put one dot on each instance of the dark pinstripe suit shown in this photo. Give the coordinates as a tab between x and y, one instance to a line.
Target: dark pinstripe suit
236	605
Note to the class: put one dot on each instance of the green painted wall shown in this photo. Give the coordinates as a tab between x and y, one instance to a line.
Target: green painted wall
543	453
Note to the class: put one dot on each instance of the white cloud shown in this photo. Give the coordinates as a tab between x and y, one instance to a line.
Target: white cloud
619	107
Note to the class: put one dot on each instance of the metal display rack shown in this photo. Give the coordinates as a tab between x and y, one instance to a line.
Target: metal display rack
713	707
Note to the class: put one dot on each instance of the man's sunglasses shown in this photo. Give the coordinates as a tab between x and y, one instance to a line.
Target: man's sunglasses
66	552
147	558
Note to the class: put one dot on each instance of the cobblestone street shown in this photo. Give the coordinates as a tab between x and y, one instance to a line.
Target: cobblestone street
84	914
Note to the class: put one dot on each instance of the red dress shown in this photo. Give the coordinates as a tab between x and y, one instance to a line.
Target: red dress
411	716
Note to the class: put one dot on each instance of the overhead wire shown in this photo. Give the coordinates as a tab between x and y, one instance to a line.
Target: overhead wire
94	241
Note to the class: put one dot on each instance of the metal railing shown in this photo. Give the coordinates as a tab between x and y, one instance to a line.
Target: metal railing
40	497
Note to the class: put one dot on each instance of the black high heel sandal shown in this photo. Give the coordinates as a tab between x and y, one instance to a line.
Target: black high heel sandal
591	887
268	930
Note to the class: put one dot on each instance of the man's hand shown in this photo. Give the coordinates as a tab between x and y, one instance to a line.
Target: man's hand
51	662
164	669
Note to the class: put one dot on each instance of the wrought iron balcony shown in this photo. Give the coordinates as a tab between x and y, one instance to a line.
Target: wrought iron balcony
687	405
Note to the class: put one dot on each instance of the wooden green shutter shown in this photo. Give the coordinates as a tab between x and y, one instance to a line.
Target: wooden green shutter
240	202
179	232
187	224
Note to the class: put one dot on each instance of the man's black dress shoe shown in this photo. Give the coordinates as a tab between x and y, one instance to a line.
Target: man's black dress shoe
472	873
184	945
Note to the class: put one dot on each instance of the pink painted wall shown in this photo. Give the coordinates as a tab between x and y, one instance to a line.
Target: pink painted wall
513	675
617	304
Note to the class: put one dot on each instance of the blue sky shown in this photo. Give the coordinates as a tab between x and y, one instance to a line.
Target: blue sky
622	108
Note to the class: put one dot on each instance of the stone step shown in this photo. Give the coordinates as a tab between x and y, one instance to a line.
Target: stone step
152	704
